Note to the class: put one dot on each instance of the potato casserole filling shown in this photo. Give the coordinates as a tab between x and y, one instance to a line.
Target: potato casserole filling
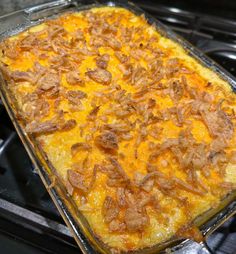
141	134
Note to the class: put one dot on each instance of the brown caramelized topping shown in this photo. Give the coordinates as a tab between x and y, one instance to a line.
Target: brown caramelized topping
141	92
100	76
107	140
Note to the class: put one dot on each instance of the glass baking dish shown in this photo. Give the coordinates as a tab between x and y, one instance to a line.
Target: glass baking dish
18	21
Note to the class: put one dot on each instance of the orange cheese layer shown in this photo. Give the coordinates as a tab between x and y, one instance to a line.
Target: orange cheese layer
166	220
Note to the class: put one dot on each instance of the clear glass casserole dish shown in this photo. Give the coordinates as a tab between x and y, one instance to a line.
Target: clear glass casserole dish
21	20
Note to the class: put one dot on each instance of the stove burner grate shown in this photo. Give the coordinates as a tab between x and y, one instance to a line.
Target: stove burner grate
26	210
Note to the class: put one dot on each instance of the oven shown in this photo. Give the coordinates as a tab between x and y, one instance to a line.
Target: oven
29	221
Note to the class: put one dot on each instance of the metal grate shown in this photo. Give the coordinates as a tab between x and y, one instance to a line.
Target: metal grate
26	210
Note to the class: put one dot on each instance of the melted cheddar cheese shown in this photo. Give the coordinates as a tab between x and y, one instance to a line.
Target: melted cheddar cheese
141	134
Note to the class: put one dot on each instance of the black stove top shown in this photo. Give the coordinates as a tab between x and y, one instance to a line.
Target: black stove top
29	221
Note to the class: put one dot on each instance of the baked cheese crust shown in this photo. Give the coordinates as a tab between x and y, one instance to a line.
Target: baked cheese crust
140	133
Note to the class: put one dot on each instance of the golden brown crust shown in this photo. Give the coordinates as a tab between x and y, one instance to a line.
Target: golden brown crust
133	124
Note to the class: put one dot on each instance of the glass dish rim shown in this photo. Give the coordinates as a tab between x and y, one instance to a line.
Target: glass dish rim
86	240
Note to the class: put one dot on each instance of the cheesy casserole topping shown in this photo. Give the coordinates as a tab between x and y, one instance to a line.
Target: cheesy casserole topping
142	136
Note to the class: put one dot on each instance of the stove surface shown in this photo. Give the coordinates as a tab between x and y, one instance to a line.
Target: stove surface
29	221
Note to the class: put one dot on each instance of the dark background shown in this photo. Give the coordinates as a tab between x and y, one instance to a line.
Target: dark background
221	8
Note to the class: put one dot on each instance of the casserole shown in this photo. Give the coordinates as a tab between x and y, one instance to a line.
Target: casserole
40	153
